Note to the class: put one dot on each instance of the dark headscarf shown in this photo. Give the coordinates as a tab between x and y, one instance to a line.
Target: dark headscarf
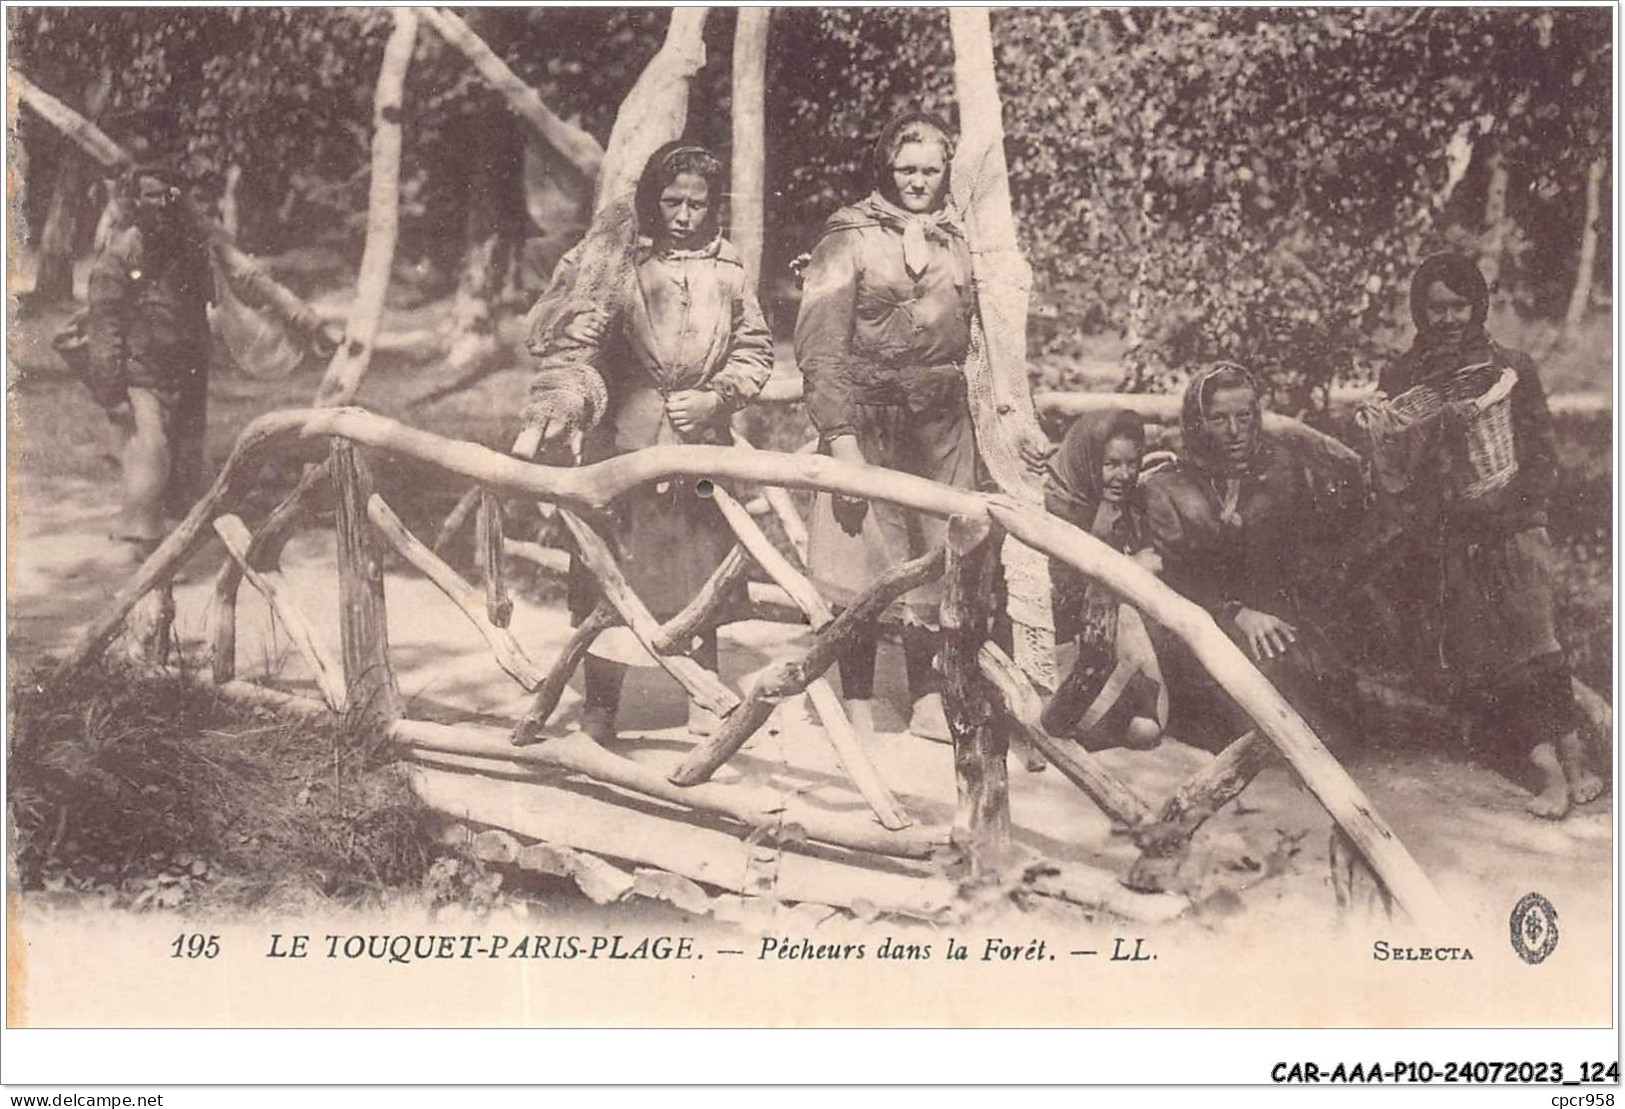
1434	352
909	127
1197	448
1074	490
662	169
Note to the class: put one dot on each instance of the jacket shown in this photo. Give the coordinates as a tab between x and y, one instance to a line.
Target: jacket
148	317
869	332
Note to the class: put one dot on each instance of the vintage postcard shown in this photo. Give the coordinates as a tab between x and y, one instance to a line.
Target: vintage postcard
813	517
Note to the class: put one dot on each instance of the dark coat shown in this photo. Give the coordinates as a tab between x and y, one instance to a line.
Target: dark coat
148	317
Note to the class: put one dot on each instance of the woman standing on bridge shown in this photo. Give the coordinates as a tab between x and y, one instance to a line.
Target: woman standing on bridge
881	339
674	346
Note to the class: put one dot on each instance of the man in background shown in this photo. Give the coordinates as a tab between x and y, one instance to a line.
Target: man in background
149	351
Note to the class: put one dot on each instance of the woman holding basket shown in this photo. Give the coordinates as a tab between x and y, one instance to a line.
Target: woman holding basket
1472	473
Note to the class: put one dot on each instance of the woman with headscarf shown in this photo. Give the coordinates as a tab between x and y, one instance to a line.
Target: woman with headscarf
881	339
1479	571
676	346
1238	525
1092	483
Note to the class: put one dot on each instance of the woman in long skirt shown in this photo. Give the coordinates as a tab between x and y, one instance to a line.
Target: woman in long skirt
666	354
881	339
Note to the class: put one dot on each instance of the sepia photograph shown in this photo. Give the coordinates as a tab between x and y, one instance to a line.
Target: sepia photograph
813	517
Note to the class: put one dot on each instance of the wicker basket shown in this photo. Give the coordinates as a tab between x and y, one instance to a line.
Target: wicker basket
1491	460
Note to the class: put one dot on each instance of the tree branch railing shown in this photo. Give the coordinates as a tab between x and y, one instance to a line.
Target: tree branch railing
580	492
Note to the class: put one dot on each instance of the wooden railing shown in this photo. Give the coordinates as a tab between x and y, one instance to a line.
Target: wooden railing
982	686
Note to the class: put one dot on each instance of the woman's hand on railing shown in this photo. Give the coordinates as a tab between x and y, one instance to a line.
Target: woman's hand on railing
536	437
849	511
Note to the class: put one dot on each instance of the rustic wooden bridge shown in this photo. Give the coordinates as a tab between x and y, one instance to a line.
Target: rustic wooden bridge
617	825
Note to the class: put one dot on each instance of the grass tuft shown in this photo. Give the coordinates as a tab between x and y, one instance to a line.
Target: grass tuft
141	791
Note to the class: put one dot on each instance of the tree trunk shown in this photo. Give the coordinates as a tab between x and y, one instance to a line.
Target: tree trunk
1495	219
656	110
749	137
1585	269
230	217
1001	400
53	282
350	361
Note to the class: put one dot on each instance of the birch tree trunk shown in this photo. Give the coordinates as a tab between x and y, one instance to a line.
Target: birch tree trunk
996	368
653	113
1495	219
656	110
230	216
1585	269
749	138
350	361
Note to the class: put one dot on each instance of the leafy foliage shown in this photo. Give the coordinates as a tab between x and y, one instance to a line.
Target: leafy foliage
1254	183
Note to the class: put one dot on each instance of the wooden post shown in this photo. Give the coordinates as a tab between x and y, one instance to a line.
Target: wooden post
1001	402
455	519
837	728
363	628
529	728
982	823
350	361
675	636
795	529
749	138
182	542
788	678
488	538
150	625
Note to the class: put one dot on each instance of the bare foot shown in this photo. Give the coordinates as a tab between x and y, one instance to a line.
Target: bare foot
1584	786
1552	802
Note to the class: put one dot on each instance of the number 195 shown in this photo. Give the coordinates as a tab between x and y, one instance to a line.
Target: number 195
195	945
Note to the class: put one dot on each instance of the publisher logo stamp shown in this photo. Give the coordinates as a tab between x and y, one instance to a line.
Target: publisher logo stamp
1534	928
